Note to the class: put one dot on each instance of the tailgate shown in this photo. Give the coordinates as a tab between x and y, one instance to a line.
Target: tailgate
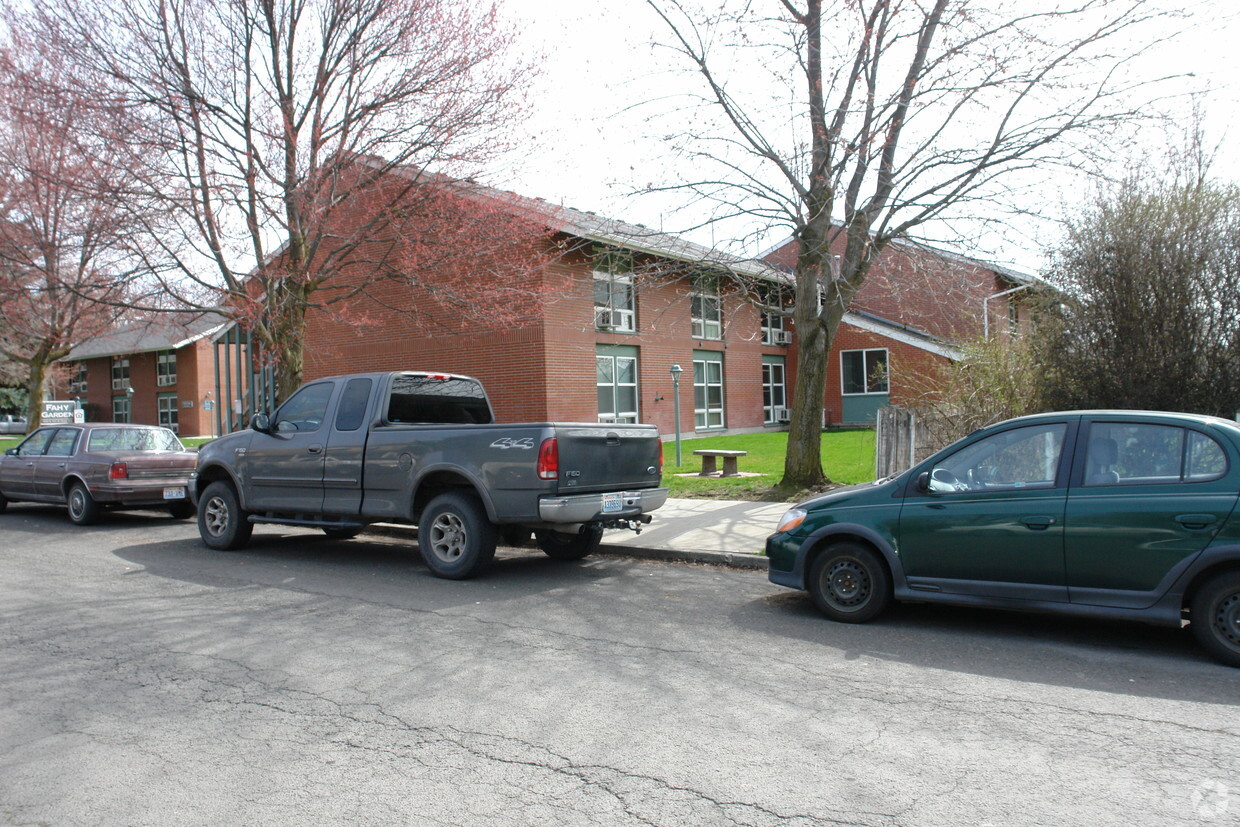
605	457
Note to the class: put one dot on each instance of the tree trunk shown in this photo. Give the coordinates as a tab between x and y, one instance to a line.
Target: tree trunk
36	375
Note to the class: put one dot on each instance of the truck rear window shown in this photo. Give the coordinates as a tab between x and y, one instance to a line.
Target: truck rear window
438	400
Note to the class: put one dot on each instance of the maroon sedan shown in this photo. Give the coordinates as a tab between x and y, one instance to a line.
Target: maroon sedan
99	465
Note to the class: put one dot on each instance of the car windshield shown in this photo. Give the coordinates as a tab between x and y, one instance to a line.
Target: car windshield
134	439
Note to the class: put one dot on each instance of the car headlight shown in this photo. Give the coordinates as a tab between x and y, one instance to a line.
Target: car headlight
792	518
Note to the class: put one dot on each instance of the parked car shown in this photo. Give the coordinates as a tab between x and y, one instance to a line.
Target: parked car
96	466
1107	514
12	424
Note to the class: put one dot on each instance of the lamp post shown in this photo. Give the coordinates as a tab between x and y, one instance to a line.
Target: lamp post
676	371
129	404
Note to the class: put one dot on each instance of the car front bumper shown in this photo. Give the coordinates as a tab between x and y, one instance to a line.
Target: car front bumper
590	508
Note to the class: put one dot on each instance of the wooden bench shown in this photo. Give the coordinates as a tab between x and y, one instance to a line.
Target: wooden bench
729	462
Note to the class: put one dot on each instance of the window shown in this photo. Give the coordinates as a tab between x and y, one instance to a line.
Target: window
77	379
776	302
120	374
35	443
774	391
353	401
438	399
707	390
167	403
705	309
120	408
1017	459
614	298
617	386
62	444
304	411
142	438
864	371
166	368
1142	454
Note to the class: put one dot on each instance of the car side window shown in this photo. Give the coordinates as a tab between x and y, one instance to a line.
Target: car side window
35	443
304	411
62	443
1018	459
352	409
1204	458
1123	453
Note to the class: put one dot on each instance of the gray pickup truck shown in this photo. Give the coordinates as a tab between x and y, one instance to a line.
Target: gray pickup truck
424	448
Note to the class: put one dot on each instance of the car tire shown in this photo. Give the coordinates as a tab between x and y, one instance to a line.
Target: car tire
222	524
569	546
181	510
849	583
342	533
83	510
455	537
1215	615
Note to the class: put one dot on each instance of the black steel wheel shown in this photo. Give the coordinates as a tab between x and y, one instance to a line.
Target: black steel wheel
83	509
1215	615
222	524
849	583
455	537
569	546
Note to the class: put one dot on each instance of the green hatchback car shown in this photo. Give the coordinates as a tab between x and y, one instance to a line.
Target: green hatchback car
1110	514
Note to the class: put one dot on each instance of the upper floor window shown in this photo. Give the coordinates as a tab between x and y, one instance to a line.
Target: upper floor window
166	368
775	302
614	302
706	309
77	379
864	371
120	374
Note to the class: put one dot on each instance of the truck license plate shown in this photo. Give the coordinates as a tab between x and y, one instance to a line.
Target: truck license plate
174	493
612	502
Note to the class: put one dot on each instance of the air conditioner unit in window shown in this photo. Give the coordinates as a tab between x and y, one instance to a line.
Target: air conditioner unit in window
604	418
783	337
164	381
608	318
781	415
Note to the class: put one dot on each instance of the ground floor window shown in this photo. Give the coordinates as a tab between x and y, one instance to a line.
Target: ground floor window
864	371
168	411
707	389
617	384
120	409
774	391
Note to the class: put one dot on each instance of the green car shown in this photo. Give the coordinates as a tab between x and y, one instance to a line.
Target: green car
1109	514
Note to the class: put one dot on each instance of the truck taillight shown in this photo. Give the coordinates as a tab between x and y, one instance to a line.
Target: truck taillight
118	471
549	460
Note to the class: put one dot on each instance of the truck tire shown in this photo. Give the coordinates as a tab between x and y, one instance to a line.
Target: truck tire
455	537
222	524
569	546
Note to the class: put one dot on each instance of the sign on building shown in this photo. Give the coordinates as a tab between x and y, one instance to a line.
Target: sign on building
62	413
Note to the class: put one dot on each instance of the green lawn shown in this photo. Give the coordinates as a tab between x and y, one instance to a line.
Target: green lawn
847	457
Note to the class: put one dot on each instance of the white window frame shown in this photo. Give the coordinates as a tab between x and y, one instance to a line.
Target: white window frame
703	415
121	409
617	415
703	323
168	413
774	319
611	316
867	372
774	391
78	380
166	368
120	373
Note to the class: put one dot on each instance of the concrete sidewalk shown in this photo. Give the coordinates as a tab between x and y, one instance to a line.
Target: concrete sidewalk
723	532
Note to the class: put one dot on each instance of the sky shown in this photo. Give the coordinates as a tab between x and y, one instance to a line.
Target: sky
589	147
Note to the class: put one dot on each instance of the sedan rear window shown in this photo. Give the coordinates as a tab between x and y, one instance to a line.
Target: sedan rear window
134	439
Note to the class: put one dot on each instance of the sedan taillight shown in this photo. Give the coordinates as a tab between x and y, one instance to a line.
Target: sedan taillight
118	471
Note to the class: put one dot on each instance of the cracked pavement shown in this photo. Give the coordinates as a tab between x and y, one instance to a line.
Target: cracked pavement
147	680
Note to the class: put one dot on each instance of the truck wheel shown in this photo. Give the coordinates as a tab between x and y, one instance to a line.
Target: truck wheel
1215	616
222	524
849	583
455	537
83	509
569	546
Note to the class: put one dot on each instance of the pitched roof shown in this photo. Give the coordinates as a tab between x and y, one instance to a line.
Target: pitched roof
143	337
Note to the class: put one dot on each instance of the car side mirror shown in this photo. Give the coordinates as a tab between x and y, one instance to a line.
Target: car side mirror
923	482
261	423
12	452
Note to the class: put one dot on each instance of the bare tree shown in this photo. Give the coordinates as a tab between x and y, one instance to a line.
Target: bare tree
851	123
286	140
62	245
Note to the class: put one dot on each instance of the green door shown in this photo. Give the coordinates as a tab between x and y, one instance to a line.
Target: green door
992	522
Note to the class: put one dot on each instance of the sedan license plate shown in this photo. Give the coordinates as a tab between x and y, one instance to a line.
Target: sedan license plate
174	493
612	502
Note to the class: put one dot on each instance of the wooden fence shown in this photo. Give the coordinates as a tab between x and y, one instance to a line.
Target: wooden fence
904	437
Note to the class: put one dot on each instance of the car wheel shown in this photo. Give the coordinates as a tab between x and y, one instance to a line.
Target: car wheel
83	509
1215	615
181	510
849	583
569	546
222	524
455	537
342	533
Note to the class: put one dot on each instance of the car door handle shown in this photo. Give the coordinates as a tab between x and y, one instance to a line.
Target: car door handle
1195	520
1038	522
315	449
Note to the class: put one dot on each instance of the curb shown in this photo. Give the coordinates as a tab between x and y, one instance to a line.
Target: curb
726	559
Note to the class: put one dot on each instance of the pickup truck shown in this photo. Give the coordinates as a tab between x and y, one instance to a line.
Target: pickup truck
424	448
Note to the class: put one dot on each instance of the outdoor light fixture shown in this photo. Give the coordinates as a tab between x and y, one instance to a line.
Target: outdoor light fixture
676	370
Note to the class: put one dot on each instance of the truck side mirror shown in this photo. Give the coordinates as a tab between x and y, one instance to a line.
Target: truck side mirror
261	423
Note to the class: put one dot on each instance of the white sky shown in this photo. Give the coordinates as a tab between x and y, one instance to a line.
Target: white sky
588	149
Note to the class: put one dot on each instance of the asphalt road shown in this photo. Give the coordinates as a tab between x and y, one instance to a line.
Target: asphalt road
147	680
